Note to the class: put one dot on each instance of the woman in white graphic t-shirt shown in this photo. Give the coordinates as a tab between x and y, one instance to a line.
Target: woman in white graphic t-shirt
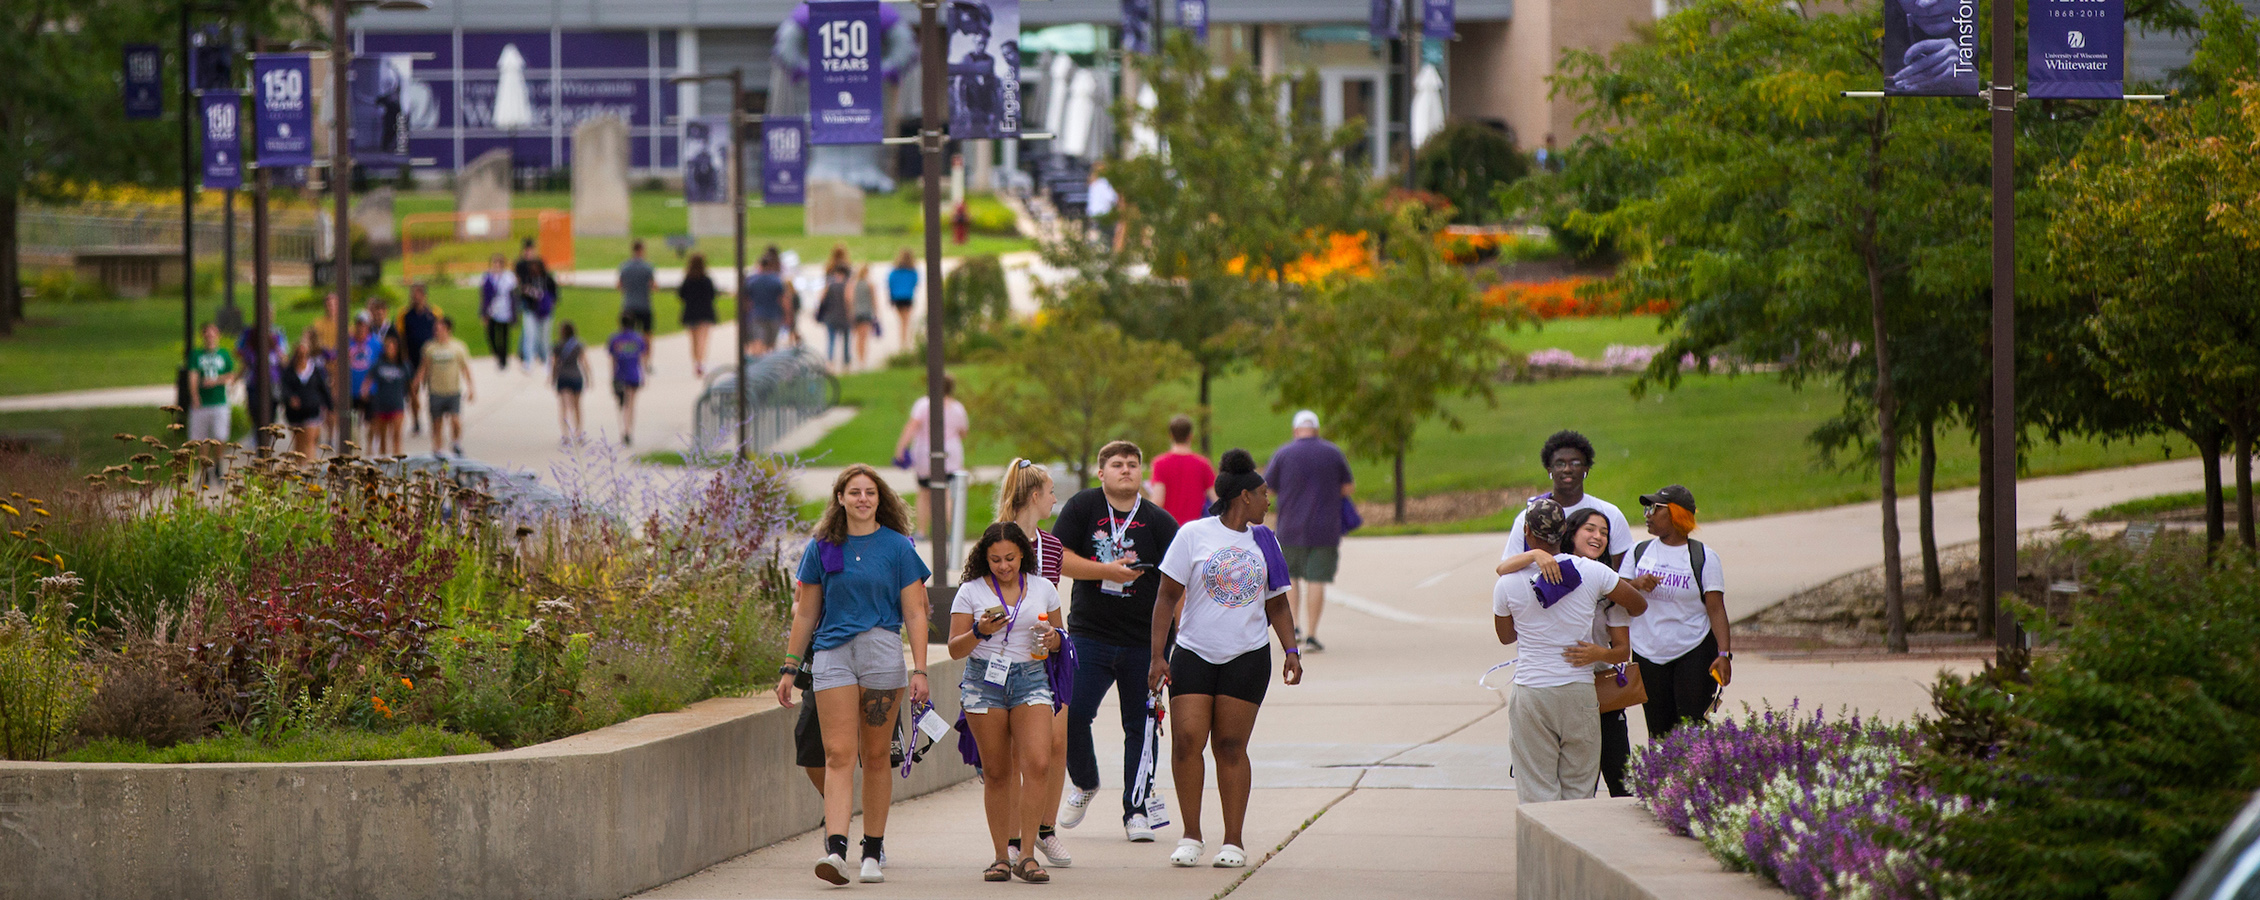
1225	574
1683	646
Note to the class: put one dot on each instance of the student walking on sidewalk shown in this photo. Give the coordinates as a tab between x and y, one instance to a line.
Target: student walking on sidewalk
636	283
386	390
1568	458
1683	644
999	618
1224	587
631	357
1024	498
1554	712
568	371
1312	478
498	308
1184	482
861	588
697	294
446	378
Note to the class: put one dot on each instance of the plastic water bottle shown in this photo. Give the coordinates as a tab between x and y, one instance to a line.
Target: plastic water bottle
1040	654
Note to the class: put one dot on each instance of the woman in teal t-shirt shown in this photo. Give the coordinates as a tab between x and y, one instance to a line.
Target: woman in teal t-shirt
861	591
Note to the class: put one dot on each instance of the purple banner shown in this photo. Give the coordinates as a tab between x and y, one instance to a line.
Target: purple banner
1930	48
223	140
1138	26
1192	15
984	69
2076	49
380	112
706	159
145	81
1437	19
844	87
281	106
1381	20
784	160
586	75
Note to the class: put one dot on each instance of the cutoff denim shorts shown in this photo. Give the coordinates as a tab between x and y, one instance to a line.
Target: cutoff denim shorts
1026	686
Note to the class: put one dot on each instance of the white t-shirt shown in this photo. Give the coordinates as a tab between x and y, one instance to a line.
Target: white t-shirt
1606	616
1620	533
1226	585
1019	645
1675	621
1543	632
1099	198
954	426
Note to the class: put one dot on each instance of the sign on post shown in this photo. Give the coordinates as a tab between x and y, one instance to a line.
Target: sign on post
706	159
784	160
2076	49
145	81
1930	48
1192	15
843	72
1438	19
380	109
223	139
282	106
984	68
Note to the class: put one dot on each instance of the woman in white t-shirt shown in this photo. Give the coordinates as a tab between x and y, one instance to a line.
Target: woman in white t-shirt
914	447
1683	646
1224	588
1610	647
1000	620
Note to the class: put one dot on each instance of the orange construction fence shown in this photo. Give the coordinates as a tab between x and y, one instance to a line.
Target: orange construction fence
449	245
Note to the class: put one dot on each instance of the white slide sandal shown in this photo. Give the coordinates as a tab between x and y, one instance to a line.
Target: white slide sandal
1230	857
1187	854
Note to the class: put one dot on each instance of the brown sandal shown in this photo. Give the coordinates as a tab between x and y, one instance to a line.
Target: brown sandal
997	871
1029	871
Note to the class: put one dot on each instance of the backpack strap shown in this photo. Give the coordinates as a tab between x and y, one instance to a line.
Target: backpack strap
1695	561
1640	550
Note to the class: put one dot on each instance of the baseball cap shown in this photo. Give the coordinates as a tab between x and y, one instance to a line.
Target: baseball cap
1546	521
1671	493
1306	419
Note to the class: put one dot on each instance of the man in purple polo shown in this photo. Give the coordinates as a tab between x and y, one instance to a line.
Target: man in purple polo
1310	476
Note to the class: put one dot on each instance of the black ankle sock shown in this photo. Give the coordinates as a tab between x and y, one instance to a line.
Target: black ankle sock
874	846
835	844
1045	831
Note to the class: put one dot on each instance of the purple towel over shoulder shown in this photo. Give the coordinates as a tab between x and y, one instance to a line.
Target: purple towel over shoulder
1274	559
1550	593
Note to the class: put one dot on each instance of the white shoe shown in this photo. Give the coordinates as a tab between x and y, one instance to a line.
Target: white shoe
1229	857
1138	830
1188	853
1078	803
872	874
1055	853
832	868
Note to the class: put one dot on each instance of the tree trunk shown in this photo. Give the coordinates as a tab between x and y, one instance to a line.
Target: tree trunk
1400	482
1887	465
2216	513
1204	412
1925	519
1989	597
11	281
2244	488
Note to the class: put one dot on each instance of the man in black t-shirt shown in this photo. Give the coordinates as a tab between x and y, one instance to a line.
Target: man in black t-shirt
1121	539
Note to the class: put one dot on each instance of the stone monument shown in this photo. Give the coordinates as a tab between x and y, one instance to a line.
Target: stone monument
834	207
484	187
600	177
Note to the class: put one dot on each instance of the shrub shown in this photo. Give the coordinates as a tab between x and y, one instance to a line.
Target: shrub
1466	163
974	297
64	286
2108	768
144	700
44	678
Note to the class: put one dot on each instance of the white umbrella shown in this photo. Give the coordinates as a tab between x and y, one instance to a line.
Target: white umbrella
1427	105
512	108
1144	140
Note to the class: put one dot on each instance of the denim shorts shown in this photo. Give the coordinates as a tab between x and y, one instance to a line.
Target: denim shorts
1026	686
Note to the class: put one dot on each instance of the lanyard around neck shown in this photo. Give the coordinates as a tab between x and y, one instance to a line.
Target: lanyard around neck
1119	529
1012	617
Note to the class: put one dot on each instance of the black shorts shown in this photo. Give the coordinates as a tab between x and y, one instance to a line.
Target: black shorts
1245	677
808	736
641	317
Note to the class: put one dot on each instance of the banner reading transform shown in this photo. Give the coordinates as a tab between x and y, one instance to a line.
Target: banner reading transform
1930	48
2076	49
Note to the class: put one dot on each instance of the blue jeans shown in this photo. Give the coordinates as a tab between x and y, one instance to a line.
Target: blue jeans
533	339
1098	665
837	337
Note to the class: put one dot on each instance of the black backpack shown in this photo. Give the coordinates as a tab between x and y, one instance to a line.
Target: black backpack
1695	560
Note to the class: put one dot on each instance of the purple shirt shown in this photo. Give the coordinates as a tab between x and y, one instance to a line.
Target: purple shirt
1307	475
627	349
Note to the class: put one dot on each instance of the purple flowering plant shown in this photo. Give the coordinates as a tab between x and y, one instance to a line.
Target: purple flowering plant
1822	807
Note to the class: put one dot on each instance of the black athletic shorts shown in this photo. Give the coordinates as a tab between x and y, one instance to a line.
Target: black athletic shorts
808	736
1245	677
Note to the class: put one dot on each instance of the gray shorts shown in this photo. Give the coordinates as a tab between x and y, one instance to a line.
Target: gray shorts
872	659
446	405
209	423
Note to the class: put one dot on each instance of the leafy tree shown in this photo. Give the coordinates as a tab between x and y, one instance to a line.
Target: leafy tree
1466	163
1378	355
1243	189
1071	385
61	115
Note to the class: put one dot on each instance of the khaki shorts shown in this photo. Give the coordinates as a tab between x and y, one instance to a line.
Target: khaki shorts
1312	563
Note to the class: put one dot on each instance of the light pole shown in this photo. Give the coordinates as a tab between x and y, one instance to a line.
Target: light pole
933	112
744	316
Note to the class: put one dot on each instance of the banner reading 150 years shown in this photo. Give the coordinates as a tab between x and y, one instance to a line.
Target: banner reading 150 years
2076	49
843	73
1930	48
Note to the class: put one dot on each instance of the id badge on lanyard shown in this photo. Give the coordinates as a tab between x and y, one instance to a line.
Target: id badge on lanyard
1000	668
1118	532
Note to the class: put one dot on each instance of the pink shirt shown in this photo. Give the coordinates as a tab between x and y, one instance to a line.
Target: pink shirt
1185	479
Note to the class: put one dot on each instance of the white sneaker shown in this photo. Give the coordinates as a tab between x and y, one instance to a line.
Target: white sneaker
1187	854
832	868
872	874
1138	830
1055	852
1078	803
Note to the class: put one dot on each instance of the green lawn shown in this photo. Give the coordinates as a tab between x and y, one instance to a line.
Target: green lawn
83	435
1738	442
1587	338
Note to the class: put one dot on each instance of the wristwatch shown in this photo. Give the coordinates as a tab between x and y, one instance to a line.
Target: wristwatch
1728	656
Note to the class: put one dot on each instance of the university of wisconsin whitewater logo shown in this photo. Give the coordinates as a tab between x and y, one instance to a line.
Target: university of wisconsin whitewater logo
2075	39
1235	577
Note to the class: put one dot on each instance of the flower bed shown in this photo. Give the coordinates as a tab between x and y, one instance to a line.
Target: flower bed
1823	808
299	600
1573	297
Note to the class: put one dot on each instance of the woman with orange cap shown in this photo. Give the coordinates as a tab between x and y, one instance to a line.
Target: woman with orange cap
1682	644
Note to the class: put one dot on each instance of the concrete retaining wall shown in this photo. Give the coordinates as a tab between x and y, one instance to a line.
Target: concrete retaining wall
598	815
1611	849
